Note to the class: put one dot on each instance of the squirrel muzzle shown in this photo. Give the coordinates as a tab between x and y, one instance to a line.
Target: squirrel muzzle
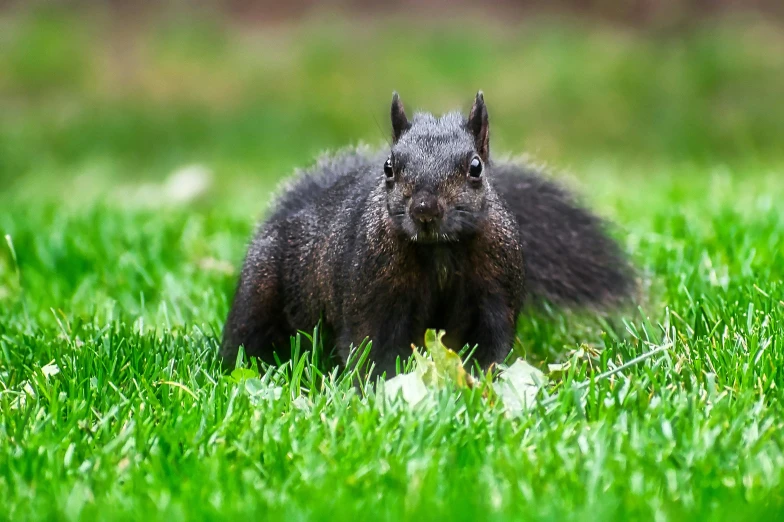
425	209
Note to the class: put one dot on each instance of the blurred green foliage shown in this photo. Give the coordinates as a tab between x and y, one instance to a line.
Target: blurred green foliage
133	99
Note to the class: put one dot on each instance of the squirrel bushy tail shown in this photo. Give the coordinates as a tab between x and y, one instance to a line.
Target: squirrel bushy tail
570	258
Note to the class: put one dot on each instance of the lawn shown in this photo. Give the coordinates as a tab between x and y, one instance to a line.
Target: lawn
135	160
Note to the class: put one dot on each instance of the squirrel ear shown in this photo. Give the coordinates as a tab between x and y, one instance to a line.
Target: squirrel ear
400	123
479	125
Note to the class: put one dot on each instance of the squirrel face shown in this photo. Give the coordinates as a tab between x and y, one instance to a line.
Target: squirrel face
435	175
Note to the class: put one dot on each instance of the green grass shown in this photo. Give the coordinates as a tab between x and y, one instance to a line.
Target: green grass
126	294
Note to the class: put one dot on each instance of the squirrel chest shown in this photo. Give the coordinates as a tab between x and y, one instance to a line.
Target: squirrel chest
442	280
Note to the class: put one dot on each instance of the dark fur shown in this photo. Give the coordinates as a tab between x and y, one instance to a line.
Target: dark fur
348	245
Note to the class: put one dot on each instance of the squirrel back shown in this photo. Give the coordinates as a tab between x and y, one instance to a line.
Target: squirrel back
431	234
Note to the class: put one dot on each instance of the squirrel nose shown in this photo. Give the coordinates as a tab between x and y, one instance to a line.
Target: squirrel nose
426	209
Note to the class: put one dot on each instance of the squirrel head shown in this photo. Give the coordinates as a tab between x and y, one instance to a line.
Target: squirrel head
436	173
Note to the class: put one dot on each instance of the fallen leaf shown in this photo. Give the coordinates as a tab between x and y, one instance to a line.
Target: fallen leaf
187	183
518	386
260	392
409	386
448	367
50	369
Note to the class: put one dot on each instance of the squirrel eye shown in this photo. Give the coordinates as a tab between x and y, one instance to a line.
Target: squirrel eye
388	172
475	167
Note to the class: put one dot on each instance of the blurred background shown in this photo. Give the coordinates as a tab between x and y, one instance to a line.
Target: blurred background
98	95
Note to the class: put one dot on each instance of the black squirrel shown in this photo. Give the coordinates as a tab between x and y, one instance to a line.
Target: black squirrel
430	234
